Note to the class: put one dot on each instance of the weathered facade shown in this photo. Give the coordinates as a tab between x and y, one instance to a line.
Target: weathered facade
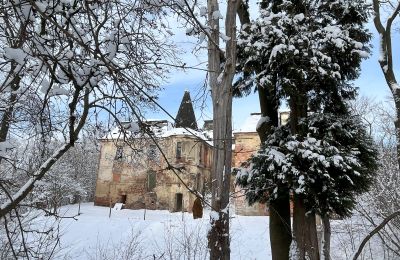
142	173
247	142
155	173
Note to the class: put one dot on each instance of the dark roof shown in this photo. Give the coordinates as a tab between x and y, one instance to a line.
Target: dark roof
185	116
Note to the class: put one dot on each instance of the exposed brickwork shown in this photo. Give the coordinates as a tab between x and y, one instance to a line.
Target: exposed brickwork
129	178
245	145
116	177
101	201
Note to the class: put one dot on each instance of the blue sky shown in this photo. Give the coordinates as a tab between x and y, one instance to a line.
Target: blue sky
371	82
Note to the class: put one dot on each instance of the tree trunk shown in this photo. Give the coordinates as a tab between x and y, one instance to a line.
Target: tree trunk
326	245
7	116
386	59
280	231
280	228
304	232
279	219
222	158
397	123
304	224
220	80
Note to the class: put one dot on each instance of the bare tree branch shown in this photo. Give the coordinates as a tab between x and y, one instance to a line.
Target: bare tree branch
373	232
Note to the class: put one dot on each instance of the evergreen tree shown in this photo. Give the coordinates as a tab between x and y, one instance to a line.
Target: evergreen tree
306	52
328	166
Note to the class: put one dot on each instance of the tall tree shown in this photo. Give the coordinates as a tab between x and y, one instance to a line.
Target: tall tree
221	70
386	55
306	50
279	218
221	73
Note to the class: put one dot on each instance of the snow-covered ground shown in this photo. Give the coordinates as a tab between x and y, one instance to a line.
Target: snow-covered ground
164	235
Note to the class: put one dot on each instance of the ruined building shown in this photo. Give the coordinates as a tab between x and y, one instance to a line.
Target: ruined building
144	164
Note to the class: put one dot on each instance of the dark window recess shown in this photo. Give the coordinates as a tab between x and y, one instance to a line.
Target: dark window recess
123	199
179	201
201	154
178	150
119	153
198	182
152	152
151	180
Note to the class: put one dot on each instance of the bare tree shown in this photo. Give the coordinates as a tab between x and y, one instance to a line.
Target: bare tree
221	70
63	65
378	207
221	76
386	54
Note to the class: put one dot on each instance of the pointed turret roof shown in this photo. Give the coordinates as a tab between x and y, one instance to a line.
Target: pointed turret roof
185	116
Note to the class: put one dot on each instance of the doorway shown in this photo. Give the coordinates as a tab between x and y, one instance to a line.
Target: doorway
123	199
179	201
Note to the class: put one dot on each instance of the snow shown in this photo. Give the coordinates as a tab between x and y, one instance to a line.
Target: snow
203	11
161	131
263	119
93	231
58	91
278	157
4	146
224	37
277	49
394	86
182	131
217	15
250	125
299	17
118	206
18	55
214	215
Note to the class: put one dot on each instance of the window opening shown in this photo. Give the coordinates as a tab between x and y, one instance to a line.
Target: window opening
178	150
119	153
151	180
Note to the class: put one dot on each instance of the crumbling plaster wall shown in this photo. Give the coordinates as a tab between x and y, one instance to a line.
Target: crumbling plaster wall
127	178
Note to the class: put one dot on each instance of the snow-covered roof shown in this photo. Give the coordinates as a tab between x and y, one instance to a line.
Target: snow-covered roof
160	129
250	125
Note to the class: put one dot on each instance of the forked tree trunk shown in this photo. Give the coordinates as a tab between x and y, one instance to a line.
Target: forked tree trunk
220	78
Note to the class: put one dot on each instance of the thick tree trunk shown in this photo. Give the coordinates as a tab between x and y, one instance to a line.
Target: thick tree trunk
304	232
304	225
222	157
221	76
280	228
